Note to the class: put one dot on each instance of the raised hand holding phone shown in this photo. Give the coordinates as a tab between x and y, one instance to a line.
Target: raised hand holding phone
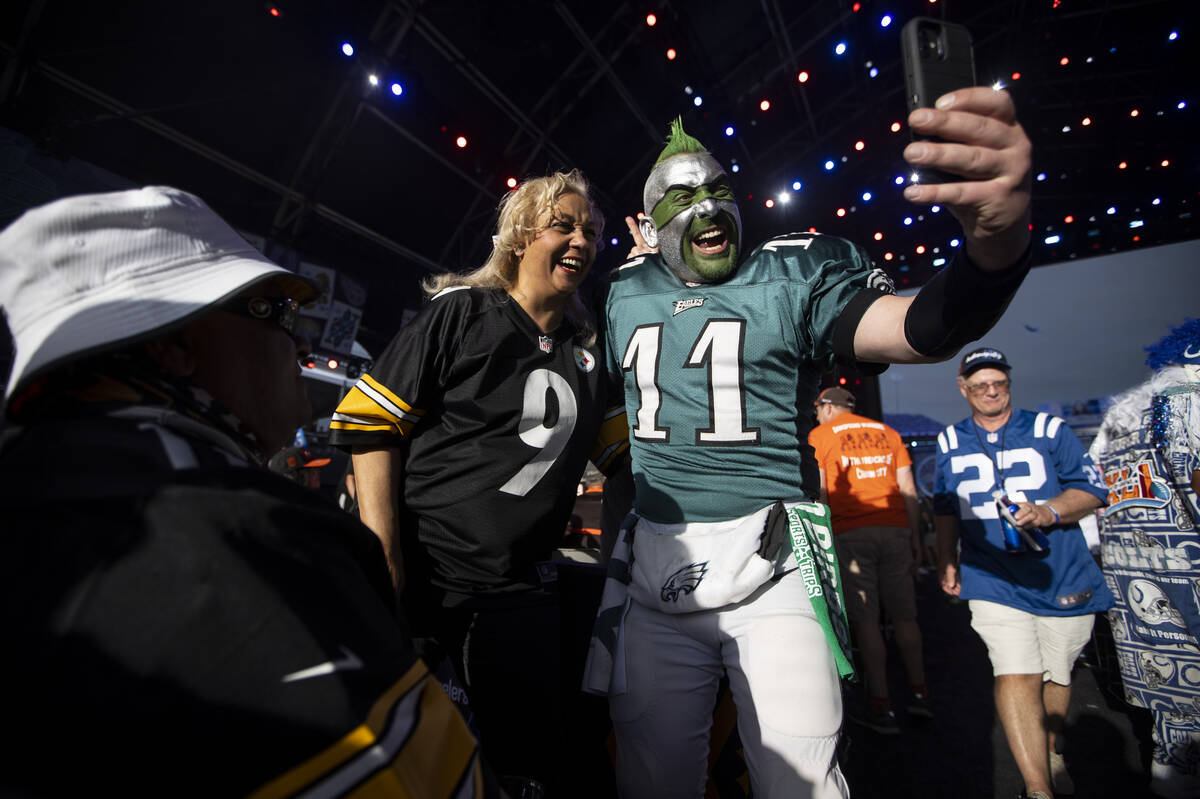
969	136
938	59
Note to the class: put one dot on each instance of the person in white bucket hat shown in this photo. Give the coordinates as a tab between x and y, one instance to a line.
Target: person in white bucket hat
94	274
178	619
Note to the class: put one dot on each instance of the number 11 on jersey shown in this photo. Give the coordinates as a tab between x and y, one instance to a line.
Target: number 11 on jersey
719	349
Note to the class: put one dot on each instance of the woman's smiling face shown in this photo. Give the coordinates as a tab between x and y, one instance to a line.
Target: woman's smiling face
555	262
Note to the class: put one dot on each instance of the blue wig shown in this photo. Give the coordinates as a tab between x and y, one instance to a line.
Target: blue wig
1181	345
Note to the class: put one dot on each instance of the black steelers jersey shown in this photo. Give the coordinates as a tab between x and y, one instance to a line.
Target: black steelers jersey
497	421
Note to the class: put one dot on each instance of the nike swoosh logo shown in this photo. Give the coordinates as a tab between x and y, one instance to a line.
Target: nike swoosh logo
1189	354
348	662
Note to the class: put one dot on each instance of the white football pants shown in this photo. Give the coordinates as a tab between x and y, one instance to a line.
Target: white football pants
784	684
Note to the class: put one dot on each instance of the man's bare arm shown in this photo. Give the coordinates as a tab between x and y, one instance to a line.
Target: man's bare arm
377	472
912	509
947	549
908	489
1071	506
880	335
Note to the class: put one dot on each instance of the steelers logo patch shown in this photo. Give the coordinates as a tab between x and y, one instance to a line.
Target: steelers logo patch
584	360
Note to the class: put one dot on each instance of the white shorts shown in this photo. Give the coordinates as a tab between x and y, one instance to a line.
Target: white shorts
784	684
1020	642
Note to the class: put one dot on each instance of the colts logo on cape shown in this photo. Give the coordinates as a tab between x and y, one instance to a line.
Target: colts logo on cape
584	360
879	280
683	305
684	581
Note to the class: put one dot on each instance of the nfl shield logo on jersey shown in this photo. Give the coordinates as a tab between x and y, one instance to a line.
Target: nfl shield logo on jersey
545	343
584	360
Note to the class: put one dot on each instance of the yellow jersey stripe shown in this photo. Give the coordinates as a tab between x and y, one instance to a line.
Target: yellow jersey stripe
364	428
472	786
361	407
374	759
438	757
381	394
612	439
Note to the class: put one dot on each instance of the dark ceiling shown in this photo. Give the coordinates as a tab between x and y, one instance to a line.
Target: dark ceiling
265	118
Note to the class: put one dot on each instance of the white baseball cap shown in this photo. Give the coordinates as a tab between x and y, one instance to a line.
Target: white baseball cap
91	273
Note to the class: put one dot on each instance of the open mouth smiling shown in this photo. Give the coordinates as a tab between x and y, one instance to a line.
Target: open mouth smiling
710	241
570	264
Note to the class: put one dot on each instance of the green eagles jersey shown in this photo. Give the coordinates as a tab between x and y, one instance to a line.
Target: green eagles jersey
719	379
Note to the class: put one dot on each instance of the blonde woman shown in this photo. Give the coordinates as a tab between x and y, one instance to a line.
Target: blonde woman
469	436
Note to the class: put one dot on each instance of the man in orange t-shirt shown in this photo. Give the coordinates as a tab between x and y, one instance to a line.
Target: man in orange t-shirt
867	480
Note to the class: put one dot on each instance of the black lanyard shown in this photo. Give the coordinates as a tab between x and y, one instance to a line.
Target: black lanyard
995	460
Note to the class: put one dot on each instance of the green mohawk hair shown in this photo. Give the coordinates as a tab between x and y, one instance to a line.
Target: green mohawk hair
679	142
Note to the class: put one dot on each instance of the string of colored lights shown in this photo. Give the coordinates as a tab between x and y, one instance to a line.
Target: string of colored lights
778	198
931	253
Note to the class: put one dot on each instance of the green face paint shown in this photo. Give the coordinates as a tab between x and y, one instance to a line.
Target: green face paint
710	247
695	217
680	198
709	244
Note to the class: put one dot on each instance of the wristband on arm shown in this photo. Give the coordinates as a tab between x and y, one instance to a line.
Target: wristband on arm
960	304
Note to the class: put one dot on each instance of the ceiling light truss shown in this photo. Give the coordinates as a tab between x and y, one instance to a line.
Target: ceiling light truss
582	80
459	61
605	66
254	176
334	129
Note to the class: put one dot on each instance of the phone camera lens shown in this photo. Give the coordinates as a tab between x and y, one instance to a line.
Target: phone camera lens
930	44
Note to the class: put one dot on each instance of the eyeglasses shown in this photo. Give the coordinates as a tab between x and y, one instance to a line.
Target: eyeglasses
986	385
278	310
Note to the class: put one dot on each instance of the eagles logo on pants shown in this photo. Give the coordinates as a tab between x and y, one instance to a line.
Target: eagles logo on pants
684	581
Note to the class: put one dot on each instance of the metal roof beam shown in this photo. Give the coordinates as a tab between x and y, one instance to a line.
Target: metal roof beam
9	78
241	170
477	78
331	134
606	68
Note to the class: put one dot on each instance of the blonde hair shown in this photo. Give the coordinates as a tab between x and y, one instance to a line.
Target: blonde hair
524	212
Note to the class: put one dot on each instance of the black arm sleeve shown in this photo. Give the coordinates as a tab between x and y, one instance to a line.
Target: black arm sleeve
960	304
847	325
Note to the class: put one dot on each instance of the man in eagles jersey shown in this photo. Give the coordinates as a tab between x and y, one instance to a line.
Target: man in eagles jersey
1033	610
469	437
720	353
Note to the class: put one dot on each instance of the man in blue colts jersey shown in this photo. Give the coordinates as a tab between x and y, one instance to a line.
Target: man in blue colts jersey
1034	610
726	564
